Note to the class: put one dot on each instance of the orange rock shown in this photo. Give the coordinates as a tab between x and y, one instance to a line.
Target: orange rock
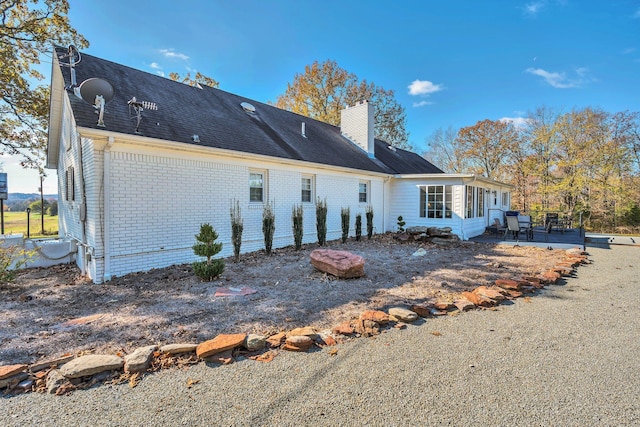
379	317
478	299
298	343
508	284
341	264
514	294
8	371
328	340
344	328
219	344
276	340
421	310
489	293
464	304
443	305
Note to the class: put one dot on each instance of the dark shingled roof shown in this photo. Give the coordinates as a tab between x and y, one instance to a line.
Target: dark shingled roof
218	119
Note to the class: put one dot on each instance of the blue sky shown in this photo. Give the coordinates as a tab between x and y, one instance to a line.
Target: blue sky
450	63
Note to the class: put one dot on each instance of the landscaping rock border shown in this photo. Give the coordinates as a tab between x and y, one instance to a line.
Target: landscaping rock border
66	373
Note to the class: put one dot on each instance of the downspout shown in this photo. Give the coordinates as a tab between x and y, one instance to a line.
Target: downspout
83	209
106	185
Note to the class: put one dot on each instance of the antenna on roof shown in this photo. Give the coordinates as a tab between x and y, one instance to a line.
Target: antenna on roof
97	92
138	107
74	59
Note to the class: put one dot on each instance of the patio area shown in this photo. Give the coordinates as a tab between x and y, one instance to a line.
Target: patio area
555	239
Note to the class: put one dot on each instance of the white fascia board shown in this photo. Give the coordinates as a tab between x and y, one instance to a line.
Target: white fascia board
56	105
462	176
103	135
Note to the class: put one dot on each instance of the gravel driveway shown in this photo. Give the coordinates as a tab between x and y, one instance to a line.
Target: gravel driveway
570	356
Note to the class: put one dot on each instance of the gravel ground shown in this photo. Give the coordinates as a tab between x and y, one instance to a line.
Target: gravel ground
569	357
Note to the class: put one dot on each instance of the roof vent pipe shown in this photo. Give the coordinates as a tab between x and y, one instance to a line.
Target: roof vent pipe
304	130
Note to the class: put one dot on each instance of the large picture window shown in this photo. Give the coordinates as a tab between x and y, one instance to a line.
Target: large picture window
436	201
256	187
469	202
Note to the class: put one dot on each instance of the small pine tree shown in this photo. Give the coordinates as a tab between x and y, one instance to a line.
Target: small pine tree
296	219
358	227
401	224
237	226
321	221
268	227
206	246
345	214
369	215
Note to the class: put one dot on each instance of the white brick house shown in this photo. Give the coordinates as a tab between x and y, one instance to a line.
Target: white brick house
134	193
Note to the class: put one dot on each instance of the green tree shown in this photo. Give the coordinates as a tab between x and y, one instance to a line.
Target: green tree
52	210
36	206
325	89
27	31
206	246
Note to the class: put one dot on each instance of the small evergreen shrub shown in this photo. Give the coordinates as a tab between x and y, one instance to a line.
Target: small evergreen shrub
345	214
268	227
358	227
237	226
321	221
369	215
206	246
401	224
296	219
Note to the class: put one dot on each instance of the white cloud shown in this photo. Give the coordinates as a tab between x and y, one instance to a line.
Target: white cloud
628	50
160	73
518	122
170	53
155	66
533	8
561	80
421	104
423	87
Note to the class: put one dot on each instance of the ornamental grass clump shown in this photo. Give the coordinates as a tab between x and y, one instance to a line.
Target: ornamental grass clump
344	215
206	246
268	227
237	226
296	219
321	221
369	215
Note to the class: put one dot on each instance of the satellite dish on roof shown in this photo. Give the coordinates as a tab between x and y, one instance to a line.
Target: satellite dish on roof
97	92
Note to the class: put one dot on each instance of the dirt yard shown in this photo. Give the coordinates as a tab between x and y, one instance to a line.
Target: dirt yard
44	312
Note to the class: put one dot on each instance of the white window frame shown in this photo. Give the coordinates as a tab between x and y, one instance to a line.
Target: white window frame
505	199
480	202
443	209
469	201
367	192
263	194
311	190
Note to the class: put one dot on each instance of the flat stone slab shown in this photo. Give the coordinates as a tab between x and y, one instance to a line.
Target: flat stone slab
7	371
178	348
140	359
298	343
219	344
90	365
402	314
341	264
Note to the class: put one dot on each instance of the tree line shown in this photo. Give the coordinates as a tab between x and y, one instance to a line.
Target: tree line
583	163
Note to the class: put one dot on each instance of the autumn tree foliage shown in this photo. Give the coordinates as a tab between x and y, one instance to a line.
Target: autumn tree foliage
324	89
198	80
28	29
585	162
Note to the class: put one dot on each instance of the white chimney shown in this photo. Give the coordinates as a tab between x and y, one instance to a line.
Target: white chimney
356	123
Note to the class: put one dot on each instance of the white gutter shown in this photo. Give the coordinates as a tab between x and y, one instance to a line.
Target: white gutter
106	185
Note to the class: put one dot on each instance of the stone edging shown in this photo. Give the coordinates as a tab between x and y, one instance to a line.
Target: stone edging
66	373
